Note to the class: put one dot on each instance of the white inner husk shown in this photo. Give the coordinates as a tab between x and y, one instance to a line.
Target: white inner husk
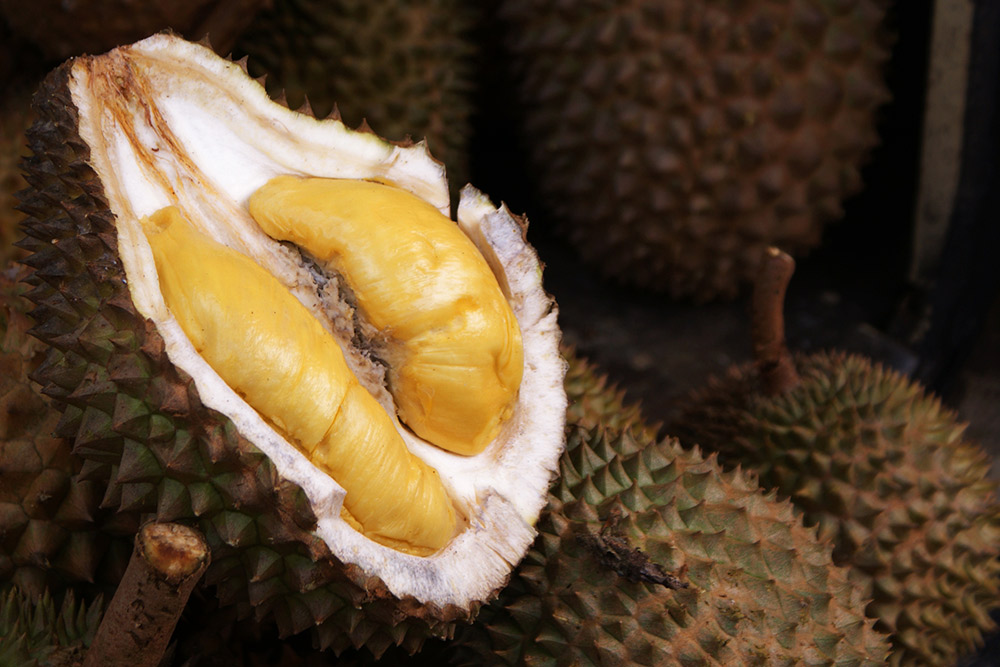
170	123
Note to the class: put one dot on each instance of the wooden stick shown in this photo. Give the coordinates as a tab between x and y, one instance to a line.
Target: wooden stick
167	562
774	363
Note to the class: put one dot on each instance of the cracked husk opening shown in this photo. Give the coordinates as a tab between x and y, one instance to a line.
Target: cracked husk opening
170	124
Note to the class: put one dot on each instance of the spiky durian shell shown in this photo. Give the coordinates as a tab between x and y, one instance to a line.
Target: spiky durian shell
35	632
763	589
673	141
15	117
52	530
62	29
594	400
405	67
883	469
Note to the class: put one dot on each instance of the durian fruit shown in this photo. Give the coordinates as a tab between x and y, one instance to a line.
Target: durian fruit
651	555
674	140
62	29
883	469
406	68
204	365
52	530
36	632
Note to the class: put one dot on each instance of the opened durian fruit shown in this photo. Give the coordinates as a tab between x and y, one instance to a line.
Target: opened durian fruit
269	325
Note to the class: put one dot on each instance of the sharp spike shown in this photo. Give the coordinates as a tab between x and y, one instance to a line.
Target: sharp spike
205	41
242	62
365	127
281	99
262	79
306	108
334	113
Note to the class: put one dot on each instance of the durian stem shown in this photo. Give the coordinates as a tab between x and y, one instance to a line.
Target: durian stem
614	552
167	562
774	362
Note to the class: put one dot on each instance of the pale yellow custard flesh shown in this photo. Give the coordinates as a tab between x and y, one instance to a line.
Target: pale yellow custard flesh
452	342
271	350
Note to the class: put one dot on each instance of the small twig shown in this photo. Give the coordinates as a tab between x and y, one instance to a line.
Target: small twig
167	562
774	363
614	552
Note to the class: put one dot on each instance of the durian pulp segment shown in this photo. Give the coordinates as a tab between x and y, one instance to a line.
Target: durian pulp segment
268	347
452	342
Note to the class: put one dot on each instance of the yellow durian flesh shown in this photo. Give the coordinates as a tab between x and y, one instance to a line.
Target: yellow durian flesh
280	359
452	342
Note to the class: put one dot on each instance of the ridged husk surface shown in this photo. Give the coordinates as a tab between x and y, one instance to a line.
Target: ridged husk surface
884	470
62	29
15	117
595	401
36	632
50	524
144	431
673	141
761	588
405	67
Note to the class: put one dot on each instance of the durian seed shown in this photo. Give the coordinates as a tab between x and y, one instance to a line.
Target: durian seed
273	352
453	344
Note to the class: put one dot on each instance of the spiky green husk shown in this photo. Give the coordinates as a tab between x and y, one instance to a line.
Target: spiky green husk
52	531
883	469
34	632
15	117
594	400
673	141
762	588
405	67
145	435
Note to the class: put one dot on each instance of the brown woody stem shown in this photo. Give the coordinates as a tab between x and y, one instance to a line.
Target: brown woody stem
774	363
167	562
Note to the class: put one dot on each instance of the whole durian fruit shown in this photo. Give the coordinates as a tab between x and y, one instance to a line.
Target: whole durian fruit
267	326
651	555
879	465
407	68
674	140
52	530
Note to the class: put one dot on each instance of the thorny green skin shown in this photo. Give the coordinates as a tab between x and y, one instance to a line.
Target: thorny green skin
142	430
882	468
594	401
52	530
35	632
761	588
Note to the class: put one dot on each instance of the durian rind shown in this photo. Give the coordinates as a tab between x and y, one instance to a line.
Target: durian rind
53	532
169	436
883	469
595	401
38	632
762	587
